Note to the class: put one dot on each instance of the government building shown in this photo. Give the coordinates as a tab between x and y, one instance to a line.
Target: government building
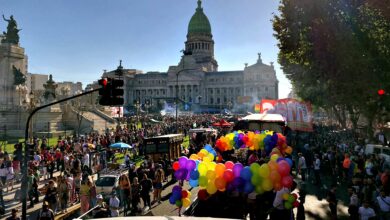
196	82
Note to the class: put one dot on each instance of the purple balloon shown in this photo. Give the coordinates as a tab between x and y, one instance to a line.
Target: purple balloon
183	174
238	182
230	187
176	189
190	165
279	159
237	169
183	161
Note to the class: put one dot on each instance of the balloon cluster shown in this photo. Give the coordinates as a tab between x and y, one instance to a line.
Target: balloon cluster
206	154
265	140
231	176
180	197
290	200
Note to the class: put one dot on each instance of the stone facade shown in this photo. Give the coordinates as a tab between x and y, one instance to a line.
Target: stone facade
199	82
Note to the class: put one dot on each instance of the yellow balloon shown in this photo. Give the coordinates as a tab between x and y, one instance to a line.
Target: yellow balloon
285	196
204	151
189	194
211	156
211	166
186	202
274	157
206	159
267	185
211	175
202	168
264	170
211	189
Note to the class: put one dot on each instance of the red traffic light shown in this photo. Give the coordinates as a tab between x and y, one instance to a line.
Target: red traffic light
381	92
103	82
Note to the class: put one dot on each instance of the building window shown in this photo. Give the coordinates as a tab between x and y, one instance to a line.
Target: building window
251	90
211	101
218	100
266	88
217	91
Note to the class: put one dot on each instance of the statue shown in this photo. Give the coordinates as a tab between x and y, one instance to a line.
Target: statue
50	89
12	35
19	77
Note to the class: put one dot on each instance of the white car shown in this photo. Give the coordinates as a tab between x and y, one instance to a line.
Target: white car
105	184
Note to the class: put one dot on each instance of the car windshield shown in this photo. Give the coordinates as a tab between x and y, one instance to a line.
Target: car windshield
105	181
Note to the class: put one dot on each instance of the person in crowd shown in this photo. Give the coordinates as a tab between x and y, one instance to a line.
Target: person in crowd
14	215
302	166
84	195
279	210
10	173
125	192
383	202
102	208
45	213
366	212
353	208
158	184
332	200
135	193
63	194
77	186
114	204
51	195
146	188
92	193
317	169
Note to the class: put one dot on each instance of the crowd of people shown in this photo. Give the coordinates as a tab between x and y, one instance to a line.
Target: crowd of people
365	177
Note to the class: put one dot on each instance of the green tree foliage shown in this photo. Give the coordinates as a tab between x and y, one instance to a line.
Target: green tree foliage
336	53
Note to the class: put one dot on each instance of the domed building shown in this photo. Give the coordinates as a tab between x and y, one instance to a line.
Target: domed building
196	80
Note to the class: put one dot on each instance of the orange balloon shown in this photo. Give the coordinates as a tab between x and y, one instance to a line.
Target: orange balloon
274	176
288	150
273	165
220	169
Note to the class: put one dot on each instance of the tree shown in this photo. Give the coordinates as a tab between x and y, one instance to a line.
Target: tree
335	54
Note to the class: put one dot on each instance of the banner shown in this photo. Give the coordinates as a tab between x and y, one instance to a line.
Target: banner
298	114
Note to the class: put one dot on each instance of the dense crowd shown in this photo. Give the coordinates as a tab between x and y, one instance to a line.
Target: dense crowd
78	158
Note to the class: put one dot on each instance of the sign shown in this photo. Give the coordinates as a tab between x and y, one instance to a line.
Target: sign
244	99
117	112
298	114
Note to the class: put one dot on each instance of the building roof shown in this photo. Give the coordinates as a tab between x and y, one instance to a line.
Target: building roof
219	73
199	23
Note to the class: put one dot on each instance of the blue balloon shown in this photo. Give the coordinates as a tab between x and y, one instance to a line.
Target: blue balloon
176	189
248	187
246	173
208	147
176	195
289	161
193	183
280	159
230	187
238	182
172	200
194	175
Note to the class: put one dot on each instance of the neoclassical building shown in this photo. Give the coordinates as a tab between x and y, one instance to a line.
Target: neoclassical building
196	79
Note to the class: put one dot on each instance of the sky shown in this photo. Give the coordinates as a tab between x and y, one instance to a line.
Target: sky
76	40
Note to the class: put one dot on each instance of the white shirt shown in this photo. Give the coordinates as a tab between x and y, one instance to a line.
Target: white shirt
114	202
302	163
317	164
366	213
86	160
278	201
382	203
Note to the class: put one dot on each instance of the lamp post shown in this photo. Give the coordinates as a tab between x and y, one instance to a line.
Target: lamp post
185	53
137	106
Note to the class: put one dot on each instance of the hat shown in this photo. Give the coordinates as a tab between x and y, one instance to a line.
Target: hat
99	196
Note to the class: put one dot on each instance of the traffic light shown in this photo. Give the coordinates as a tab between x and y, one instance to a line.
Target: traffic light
104	91
117	92
111	92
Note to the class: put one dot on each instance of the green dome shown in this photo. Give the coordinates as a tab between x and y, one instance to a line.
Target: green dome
199	23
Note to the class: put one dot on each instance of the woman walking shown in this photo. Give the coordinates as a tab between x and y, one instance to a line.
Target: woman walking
84	195
146	187
125	192
63	194
158	184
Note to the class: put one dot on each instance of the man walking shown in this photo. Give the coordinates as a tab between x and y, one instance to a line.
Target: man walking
302	168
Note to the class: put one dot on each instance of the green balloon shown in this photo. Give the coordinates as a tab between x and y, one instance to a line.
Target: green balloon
256	179
287	205
178	203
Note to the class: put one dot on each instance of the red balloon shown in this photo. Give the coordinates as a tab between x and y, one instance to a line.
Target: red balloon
184	194
229	165
228	175
295	195
176	165
283	168
287	181
202	194
277	186
296	204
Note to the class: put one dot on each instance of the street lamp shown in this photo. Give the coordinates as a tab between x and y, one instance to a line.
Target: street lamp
137	106
148	104
29	107
185	53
